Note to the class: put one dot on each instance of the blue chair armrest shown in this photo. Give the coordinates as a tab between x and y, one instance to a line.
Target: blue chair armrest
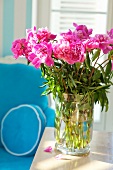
50	116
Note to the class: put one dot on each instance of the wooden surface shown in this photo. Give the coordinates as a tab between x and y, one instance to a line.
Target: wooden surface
100	157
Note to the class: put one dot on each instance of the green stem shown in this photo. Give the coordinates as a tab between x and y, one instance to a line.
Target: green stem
103	62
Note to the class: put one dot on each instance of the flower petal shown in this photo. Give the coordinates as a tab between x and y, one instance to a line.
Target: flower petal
48	149
58	157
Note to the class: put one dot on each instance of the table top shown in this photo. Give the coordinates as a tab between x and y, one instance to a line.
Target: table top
100	157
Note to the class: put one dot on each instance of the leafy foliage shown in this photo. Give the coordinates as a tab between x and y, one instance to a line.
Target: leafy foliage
80	78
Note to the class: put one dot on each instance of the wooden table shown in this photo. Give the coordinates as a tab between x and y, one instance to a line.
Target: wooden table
100	157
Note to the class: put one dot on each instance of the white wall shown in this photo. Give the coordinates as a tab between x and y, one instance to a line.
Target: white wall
41	13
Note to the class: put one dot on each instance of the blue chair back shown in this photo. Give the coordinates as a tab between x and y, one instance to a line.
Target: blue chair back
20	84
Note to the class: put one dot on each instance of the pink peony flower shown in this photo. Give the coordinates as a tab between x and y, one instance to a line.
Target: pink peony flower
44	35
41	53
67	36
19	48
105	46
110	33
91	44
101	37
69	52
104	42
81	32
31	37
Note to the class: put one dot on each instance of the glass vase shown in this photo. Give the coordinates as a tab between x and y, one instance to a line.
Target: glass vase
73	124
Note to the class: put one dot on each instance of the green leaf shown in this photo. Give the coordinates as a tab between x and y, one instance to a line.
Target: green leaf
110	54
95	55
102	87
43	69
46	92
58	88
78	65
99	87
85	79
96	96
87	61
28	62
77	82
96	75
108	68
103	100
102	70
73	82
44	84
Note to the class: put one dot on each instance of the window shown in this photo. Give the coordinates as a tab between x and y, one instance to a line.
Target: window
92	13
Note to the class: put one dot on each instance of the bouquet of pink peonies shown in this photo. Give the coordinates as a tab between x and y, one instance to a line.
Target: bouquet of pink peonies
74	63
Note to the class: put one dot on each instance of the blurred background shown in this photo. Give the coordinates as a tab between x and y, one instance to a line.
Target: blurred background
58	15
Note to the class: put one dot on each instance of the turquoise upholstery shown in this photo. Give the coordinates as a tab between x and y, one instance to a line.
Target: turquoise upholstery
22	128
20	84
11	162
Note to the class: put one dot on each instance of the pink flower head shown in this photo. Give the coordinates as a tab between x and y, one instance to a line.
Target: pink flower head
104	42
106	47
31	36
44	35
91	44
30	32
41	53
19	48
68	36
110	33
81	32
101	37
69	52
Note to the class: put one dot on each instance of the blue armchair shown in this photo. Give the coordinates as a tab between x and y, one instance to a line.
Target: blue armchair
23	114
